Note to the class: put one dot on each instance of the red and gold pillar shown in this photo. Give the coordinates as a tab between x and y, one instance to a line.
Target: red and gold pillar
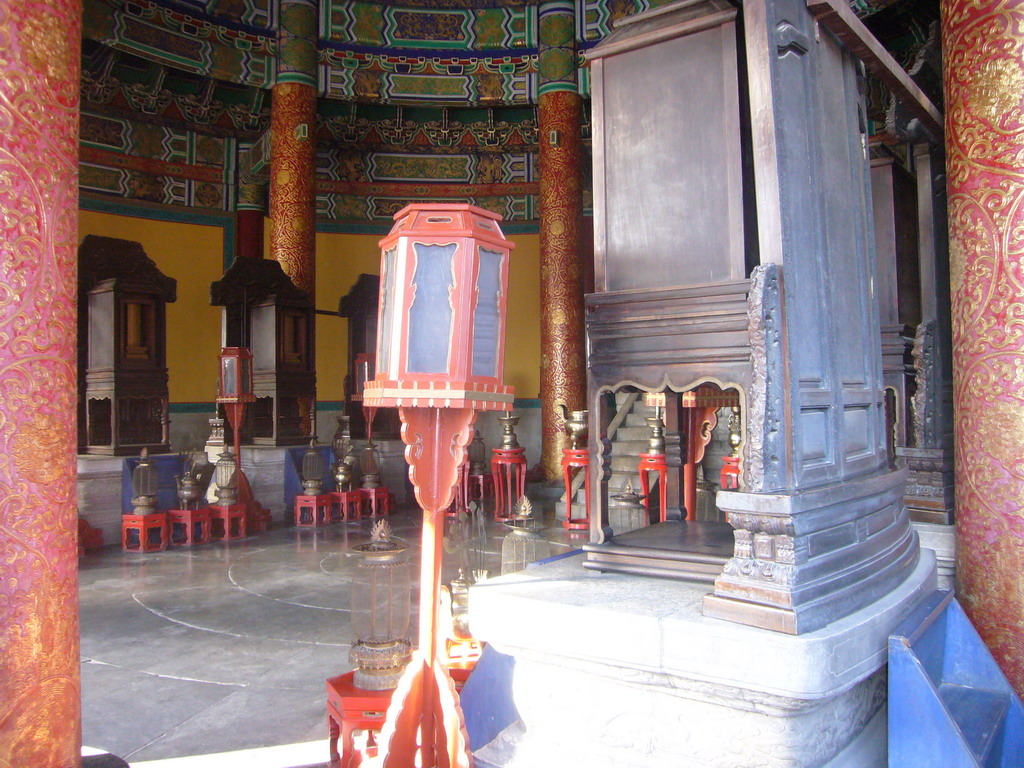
983	44
563	374
293	146
249	213
40	701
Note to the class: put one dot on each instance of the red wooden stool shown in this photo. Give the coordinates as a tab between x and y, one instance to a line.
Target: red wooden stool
144	526
188	527
227	523
89	538
654	462
730	476
312	511
576	459
376	500
346	505
461	657
349	708
508	468
258	518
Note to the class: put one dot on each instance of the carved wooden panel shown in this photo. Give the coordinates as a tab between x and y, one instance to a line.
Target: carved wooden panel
668	202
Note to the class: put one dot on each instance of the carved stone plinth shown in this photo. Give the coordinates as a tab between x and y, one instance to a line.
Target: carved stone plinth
930	496
804	560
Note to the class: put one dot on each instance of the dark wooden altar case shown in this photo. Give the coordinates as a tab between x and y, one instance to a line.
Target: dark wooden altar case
359	308
675	239
264	310
122	348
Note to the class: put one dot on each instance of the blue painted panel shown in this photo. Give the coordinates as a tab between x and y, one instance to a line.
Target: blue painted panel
487	315
949	703
430	316
486	699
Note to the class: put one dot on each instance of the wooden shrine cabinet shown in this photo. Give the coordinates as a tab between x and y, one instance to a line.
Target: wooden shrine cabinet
122	348
265	311
672	256
732	209
359	308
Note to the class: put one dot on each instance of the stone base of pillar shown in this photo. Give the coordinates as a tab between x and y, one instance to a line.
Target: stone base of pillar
941	539
803	561
621	670
930	496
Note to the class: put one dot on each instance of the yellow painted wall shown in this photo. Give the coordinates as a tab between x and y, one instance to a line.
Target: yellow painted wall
340	259
193	254
522	339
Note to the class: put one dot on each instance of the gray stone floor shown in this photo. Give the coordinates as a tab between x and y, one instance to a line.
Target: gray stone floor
227	646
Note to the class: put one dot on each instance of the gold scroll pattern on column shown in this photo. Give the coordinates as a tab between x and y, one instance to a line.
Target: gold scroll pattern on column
292	183
563	367
984	79
40	720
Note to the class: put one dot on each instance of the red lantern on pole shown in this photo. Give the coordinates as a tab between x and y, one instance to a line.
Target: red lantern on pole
234	392
440	358
364	373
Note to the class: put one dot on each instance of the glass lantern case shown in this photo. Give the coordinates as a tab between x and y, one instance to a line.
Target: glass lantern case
444	278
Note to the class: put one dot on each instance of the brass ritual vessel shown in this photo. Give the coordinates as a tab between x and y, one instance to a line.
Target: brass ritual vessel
656	442
188	487
576	425
509	441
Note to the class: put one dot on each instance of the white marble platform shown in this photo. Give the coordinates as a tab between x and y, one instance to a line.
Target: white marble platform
941	539
619	670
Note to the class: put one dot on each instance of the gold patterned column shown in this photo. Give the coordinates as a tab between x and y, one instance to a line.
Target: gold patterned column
563	365
983	44
249	213
40	699
293	146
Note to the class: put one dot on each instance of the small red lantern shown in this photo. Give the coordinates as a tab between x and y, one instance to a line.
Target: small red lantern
234	384
443	300
440	358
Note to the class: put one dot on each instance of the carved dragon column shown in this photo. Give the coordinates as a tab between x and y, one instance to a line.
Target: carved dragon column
563	364
40	700
293	146
983	50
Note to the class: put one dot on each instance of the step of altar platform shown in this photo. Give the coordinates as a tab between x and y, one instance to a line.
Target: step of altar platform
615	670
949	702
692	551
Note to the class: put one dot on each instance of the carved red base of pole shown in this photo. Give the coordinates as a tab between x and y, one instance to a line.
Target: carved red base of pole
424	724
236	414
